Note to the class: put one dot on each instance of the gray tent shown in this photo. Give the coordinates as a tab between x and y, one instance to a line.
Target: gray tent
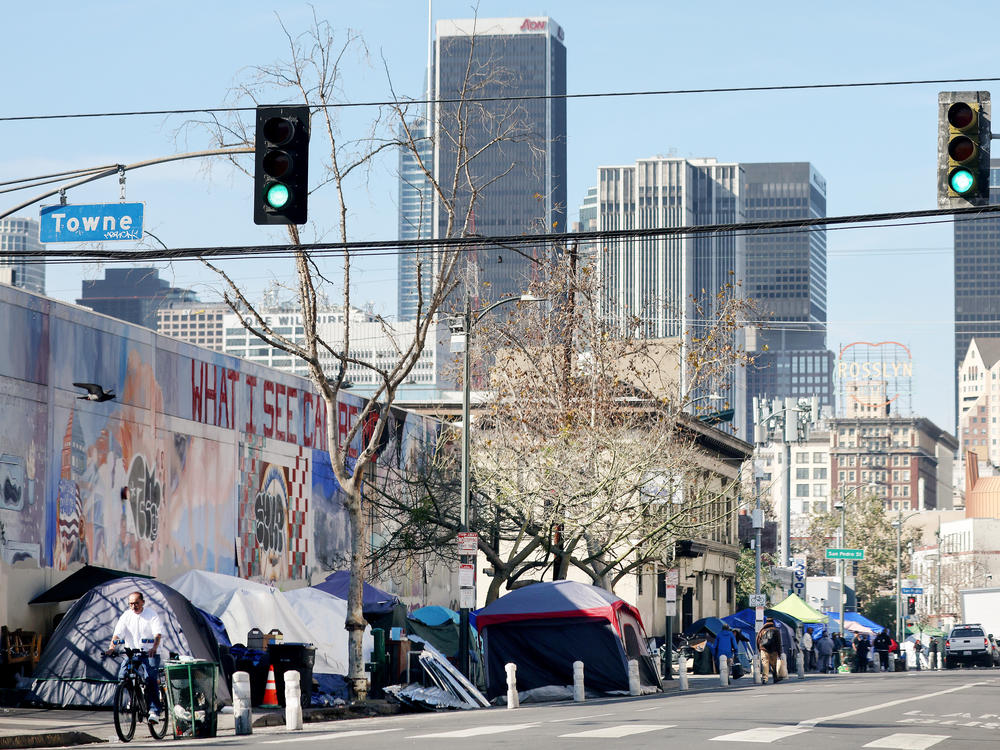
73	670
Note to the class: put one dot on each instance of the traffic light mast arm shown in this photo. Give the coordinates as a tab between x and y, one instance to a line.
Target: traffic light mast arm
113	172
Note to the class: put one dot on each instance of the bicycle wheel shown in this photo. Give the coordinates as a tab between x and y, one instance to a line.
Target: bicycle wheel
125	708
159	728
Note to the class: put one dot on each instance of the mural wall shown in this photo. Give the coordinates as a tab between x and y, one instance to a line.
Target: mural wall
201	460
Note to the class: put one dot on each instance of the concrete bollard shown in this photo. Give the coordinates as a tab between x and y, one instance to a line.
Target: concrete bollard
682	671
579	694
892	661
241	703
723	671
755	666
293	701
800	664
633	677
512	700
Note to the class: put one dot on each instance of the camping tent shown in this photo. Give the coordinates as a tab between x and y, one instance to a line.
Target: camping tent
380	608
545	627
324	615
243	605
79	582
854	622
745	621
73	671
793	605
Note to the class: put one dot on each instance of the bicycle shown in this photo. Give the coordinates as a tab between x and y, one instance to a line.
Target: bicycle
130	703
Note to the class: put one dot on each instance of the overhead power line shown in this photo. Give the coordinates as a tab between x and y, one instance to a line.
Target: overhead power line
522	98
512	242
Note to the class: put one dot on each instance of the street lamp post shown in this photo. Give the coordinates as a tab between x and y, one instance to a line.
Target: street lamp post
898	525
470	318
841	505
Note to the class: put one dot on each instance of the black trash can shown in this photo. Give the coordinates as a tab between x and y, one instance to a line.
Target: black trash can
299	657
255	663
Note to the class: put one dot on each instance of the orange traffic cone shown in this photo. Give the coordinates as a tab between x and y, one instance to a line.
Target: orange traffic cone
270	691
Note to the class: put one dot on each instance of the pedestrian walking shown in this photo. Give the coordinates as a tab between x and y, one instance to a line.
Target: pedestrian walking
725	645
918	647
769	646
882	645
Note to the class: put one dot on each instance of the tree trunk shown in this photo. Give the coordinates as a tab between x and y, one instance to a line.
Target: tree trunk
355	623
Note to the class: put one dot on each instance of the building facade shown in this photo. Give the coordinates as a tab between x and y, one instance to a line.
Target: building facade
372	340
132	294
977	274
979	400
19	235
523	177
805	478
907	459
663	286
786	277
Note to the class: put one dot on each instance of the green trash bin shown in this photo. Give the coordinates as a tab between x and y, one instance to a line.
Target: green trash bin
191	697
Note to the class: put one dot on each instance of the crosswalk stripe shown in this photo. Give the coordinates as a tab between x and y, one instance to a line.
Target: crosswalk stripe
908	741
475	731
328	736
622	730
761	734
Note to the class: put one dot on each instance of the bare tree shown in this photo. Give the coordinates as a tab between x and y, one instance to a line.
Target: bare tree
470	130
585	454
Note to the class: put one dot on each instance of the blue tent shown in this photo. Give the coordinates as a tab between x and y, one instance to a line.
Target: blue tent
374	601
745	620
434	615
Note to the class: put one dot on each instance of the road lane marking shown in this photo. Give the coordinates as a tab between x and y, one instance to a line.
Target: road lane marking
760	734
654	708
908	741
329	736
588	716
810	723
476	731
622	730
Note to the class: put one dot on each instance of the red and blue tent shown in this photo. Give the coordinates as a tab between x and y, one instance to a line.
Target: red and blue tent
544	627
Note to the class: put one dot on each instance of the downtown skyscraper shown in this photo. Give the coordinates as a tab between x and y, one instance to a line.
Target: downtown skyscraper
787	280
519	148
661	287
977	276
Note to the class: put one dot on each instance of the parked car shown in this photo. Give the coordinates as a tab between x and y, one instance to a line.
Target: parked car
968	644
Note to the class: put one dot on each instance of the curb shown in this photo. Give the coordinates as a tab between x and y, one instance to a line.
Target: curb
332	713
48	739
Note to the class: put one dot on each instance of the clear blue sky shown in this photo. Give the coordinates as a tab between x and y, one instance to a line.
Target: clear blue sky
874	146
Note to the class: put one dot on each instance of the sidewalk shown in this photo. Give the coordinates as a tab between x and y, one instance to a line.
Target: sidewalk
56	727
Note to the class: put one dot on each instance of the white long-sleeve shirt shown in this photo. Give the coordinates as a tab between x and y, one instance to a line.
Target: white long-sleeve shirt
139	630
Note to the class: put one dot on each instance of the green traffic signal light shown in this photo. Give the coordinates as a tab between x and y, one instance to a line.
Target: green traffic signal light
961	181
277	195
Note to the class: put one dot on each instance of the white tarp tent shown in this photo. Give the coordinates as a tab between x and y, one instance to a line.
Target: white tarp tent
324	615
243	605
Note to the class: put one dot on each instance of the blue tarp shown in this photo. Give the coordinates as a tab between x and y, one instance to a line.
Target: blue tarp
373	600
857	617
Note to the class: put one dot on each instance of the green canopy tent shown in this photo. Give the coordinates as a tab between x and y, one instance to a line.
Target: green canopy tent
800	610
924	631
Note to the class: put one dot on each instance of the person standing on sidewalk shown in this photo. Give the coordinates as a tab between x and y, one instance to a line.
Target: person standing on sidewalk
824	653
140	628
918	647
808	658
882	644
932	651
725	645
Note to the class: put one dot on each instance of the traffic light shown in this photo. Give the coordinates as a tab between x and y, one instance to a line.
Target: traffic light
911	605
963	149
281	165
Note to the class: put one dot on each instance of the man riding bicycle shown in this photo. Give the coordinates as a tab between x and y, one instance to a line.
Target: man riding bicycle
140	628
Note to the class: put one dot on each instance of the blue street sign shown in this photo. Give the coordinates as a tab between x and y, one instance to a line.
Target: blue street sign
911	590
99	222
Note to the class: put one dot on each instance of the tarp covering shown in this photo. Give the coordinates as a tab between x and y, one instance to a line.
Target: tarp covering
324	615
73	671
854	619
799	609
78	583
243	605
432	614
373	600
545	627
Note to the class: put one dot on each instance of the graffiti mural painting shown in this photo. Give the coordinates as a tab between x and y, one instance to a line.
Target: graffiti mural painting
144	496
270	510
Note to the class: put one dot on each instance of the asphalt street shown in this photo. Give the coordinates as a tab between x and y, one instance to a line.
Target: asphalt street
911	711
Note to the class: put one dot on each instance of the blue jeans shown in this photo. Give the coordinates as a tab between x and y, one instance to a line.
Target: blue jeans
148	668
